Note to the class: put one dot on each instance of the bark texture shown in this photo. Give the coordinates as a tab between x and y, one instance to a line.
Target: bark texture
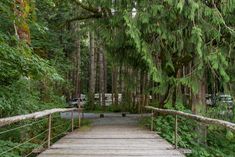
92	78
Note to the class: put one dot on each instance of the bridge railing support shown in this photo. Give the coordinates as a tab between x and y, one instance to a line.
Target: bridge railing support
176	128
49	132
41	116
206	120
72	121
79	115
176	132
152	120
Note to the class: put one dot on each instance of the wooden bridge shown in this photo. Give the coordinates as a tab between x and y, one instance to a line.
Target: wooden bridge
111	136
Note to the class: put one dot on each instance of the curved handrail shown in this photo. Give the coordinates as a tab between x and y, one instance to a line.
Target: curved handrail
35	115
199	118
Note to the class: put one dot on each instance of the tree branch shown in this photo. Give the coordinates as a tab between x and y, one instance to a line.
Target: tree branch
96	10
88	8
85	17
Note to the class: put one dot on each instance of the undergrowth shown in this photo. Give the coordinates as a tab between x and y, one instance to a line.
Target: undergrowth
219	142
16	140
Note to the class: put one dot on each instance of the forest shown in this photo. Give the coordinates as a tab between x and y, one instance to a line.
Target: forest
171	54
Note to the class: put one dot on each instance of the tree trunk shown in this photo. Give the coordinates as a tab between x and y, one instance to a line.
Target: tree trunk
21	27
175	89
142	89
114	85
199	108
92	78
78	61
164	97
105	75
121	86
146	100
199	99
101	77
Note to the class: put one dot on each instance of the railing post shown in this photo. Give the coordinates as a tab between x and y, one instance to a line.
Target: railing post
72	120
176	132
79	116
152	118
49	131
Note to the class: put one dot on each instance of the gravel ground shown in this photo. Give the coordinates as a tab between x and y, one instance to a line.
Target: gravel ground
108	119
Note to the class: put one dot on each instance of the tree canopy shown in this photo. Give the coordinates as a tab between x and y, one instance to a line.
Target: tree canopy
167	53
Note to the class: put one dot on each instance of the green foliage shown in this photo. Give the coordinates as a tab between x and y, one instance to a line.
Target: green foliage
23	97
141	46
18	98
6	145
162	39
31	73
17	138
197	39
19	61
222	145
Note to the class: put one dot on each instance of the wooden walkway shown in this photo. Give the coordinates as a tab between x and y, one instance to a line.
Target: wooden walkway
112	136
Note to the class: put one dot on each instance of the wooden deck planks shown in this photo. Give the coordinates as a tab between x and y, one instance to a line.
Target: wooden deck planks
112	141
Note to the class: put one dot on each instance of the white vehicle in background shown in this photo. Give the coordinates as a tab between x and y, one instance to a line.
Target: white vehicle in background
108	98
216	100
74	102
226	99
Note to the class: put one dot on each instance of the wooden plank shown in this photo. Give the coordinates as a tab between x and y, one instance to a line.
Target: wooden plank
113	147
112	152
112	140
69	155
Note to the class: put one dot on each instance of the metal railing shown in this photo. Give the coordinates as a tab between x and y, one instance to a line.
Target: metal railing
40	117
198	118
